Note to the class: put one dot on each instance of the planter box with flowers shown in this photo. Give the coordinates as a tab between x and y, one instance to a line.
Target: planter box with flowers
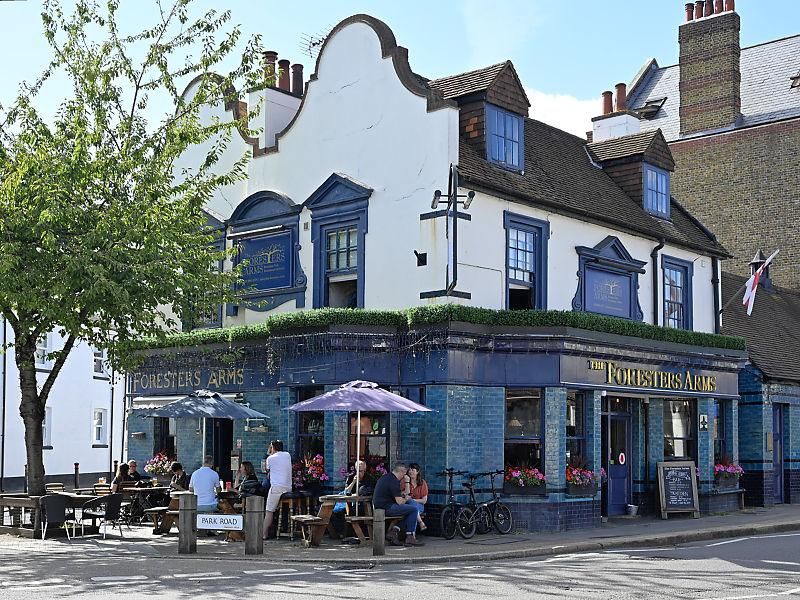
524	481
726	476
308	474
583	482
160	464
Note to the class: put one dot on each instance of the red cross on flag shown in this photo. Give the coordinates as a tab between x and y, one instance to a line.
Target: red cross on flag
751	287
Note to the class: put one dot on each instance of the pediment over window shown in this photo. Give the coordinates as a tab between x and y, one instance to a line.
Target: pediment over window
263	206
339	193
613	252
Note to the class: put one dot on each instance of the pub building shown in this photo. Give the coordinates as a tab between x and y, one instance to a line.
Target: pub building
614	361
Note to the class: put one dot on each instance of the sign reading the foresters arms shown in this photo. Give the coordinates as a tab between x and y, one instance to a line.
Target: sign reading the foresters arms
636	377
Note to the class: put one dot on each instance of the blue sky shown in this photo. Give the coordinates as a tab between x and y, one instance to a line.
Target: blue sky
566	51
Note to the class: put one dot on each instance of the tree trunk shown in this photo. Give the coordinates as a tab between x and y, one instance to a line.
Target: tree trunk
31	409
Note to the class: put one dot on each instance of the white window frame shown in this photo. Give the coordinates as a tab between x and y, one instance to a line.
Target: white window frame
99	358
103	427
42	350
47	427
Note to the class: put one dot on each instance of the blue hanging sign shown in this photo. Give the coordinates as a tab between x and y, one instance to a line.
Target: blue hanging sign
269	261
608	293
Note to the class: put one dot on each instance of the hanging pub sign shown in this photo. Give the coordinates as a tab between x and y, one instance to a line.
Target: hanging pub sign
677	488
608	293
269	261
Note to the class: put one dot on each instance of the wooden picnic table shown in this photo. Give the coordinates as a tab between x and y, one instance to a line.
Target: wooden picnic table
322	521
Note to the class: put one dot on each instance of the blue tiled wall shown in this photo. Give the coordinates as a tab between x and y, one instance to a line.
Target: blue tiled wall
705	446
555	442
140	449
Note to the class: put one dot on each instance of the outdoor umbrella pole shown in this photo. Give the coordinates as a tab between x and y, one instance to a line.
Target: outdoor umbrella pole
358	454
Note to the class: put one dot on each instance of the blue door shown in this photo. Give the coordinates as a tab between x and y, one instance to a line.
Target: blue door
617	494
777	450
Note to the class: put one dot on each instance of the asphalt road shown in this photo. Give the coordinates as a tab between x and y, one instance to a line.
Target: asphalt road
733	569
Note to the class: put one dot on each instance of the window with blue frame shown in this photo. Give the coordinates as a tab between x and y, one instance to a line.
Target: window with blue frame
505	137
526	264
656	191
341	266
677	293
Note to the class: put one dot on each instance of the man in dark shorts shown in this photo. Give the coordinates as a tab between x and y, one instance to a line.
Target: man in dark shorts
388	496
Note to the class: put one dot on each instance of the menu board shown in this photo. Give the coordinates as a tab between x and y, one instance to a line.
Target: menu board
677	485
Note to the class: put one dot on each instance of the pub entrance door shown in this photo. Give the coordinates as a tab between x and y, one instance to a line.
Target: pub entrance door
616	457
222	445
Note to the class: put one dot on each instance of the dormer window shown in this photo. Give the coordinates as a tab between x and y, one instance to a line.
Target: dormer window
656	191
504	137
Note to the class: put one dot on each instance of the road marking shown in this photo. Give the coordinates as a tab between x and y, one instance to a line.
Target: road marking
772	595
23	586
781	562
202	577
271	572
193	575
29	583
637	550
121	578
727	542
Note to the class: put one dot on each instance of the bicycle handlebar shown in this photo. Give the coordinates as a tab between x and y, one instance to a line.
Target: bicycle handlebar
452	472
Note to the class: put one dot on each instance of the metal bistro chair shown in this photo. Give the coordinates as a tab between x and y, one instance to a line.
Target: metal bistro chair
105	508
101	489
53	487
56	511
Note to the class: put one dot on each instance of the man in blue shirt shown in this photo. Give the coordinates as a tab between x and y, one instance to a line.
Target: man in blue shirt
389	497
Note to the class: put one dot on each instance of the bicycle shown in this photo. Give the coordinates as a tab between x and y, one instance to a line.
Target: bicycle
485	514
452	511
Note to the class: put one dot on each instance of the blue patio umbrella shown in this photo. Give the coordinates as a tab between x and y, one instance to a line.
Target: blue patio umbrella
357	396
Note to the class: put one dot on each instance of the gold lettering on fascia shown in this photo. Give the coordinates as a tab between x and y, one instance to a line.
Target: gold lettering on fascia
653	378
215	378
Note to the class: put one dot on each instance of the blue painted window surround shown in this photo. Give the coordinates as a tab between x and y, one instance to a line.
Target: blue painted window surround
526	261
656	191
677	292
505	137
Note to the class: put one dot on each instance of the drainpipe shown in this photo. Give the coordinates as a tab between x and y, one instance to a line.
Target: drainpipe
111	425
3	425
716	285
654	258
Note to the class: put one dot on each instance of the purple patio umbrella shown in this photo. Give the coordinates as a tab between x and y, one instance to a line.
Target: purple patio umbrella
355	397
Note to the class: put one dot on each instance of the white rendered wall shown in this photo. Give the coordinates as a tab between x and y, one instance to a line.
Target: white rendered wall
73	399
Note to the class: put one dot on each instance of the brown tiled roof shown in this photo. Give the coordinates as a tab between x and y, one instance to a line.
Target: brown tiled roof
772	331
462	84
560	175
622	147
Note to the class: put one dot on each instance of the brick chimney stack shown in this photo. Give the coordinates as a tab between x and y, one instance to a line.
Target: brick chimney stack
710	78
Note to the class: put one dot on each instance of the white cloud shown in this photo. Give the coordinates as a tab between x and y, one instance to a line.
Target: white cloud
565	112
497	31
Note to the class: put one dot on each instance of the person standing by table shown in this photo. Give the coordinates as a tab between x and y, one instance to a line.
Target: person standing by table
279	466
205	484
389	497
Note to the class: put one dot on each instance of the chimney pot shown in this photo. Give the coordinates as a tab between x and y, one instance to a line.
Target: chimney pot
717	6
622	96
730	5
297	79
689	11
709	9
608	106
698	9
270	57
283	78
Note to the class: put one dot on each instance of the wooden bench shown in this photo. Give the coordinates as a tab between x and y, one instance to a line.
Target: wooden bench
156	514
312	528
356	523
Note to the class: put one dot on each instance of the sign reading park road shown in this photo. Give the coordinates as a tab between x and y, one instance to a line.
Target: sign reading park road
221	522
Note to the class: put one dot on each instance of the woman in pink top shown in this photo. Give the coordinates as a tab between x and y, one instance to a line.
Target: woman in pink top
418	490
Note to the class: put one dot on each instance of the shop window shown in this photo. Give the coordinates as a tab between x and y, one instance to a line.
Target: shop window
680	440
718	431
677	293
526	262
656	194
523	428
310	434
374	440
575	429
505	137
164	436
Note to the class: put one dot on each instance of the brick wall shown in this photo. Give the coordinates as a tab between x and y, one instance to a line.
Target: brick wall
140	449
745	177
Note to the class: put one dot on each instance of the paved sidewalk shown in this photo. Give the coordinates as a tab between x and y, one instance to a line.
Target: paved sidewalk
617	533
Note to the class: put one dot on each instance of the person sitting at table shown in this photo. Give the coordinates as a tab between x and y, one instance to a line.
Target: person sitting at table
279	465
249	485
122	475
417	490
205	484
366	481
389	497
180	480
134	474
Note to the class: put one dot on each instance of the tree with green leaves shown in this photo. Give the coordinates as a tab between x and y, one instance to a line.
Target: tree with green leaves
102	238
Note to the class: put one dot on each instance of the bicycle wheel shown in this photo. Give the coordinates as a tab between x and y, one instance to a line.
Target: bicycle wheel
465	523
447	522
482	519
503	521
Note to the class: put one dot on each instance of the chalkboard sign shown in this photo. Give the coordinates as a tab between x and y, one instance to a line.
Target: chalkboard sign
677	485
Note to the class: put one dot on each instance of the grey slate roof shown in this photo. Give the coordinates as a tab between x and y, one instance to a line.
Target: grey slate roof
461	84
622	147
772	331
765	89
560	175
